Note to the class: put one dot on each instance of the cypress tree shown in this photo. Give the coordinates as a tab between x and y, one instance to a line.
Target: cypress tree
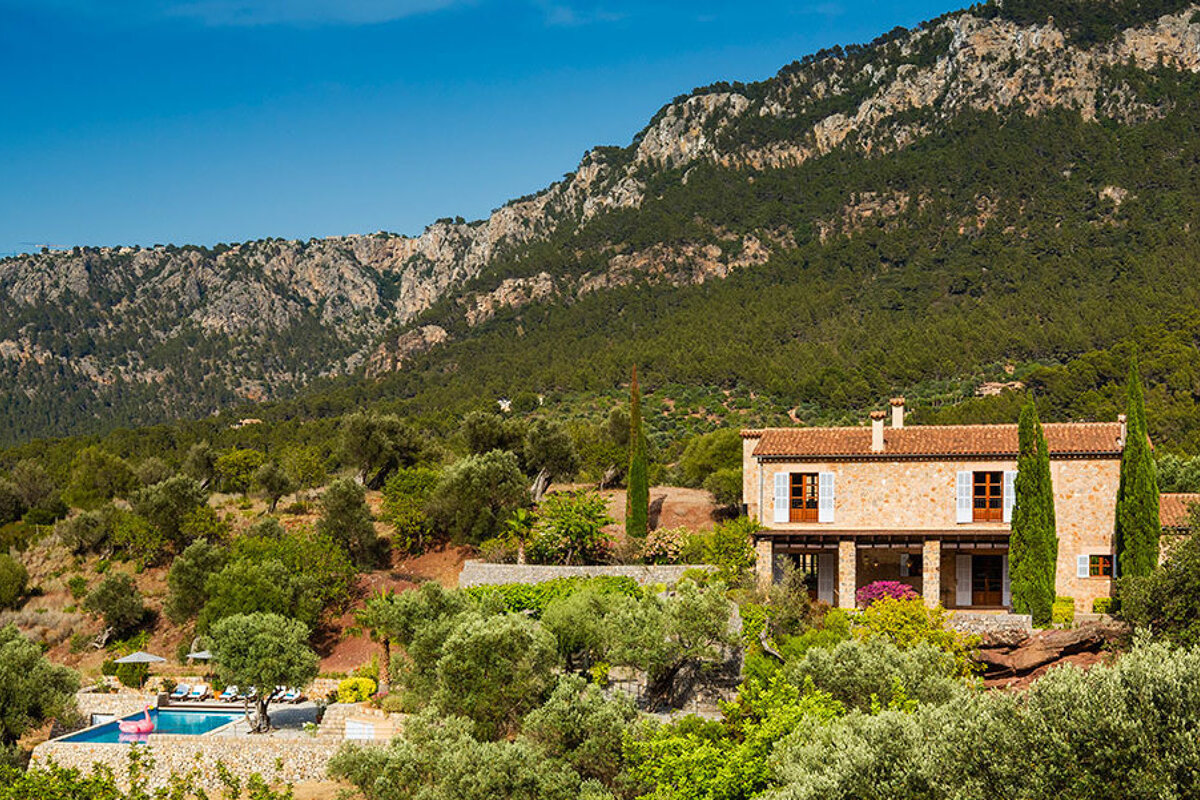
637	495
1033	544
1138	526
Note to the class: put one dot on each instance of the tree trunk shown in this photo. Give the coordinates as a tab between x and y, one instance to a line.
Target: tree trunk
540	485
520	551
385	669
263	723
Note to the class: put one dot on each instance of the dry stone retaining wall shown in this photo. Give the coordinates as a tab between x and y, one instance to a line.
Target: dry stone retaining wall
119	704
479	573
277	759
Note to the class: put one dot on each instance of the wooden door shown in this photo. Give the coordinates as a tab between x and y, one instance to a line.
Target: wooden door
987	580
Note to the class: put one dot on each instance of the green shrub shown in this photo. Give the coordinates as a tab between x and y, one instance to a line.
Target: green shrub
355	690
1102	605
731	550
1063	612
909	623
13	580
132	675
393	704
78	586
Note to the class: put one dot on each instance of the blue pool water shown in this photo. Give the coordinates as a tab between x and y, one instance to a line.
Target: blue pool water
191	723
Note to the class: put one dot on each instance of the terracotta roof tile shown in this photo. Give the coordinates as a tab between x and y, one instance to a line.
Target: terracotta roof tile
1064	438
1175	509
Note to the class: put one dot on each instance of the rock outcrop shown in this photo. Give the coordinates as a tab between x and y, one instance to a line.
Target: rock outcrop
1016	661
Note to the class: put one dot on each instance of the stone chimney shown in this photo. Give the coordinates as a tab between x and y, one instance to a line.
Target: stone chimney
897	412
1121	418
877	431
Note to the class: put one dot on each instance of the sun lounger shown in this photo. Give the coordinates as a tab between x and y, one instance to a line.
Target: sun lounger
291	696
181	692
229	695
198	692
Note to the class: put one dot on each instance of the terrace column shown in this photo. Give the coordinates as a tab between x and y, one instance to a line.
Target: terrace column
764	563
931	572
847	572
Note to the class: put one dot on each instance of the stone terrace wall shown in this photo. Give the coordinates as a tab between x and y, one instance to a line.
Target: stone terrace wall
297	759
119	704
478	573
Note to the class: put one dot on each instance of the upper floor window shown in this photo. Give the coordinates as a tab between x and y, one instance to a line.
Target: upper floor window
988	497
805	497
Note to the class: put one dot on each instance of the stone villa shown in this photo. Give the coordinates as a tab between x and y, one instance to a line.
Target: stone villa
929	506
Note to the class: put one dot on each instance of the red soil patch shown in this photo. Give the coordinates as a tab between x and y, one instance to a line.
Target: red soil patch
342	653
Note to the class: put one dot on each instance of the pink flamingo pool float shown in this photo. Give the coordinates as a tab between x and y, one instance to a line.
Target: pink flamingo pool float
137	725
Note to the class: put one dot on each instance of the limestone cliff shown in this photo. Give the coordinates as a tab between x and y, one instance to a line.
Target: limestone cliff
126	335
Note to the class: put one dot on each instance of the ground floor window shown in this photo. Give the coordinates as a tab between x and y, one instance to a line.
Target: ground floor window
1100	566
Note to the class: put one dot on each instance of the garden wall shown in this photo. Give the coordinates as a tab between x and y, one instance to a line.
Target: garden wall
293	759
479	573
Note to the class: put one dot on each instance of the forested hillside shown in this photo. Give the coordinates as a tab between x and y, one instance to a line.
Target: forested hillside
1006	187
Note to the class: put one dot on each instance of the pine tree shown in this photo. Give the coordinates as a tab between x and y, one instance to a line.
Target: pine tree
637	496
1138	525
1033	543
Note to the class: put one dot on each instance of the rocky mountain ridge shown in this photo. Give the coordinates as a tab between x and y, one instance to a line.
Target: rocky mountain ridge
126	335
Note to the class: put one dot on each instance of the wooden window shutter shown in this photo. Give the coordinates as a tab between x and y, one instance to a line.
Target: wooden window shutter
827	564
825	489
1010	494
782	496
963	497
1004	583
1081	567
962	574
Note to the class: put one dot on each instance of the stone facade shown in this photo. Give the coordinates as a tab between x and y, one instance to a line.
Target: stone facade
917	498
478	573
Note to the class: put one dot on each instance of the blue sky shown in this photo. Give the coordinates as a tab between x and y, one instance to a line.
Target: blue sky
199	121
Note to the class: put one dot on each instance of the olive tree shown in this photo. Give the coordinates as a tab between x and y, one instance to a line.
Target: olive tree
32	689
118	601
475	496
275	483
166	505
346	519
261	652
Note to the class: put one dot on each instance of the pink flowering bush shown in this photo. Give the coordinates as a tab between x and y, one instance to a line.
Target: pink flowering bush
665	545
878	590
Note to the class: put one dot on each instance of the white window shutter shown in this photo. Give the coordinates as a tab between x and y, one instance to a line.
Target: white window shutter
826	576
905	566
962	573
1010	494
1081	566
826	496
1006	588
782	496
963	497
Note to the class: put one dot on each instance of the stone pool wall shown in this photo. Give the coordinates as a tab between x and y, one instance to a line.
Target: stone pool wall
279	760
119	704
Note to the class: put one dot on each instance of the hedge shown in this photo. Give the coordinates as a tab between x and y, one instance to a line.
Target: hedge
534	597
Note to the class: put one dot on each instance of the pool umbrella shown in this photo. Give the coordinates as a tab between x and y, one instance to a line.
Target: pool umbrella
140	658
203	655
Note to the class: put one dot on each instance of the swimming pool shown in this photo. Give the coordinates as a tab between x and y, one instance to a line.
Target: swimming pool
188	723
